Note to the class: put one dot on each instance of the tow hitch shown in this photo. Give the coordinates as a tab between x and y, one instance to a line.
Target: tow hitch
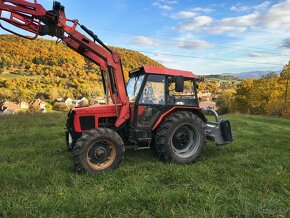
219	131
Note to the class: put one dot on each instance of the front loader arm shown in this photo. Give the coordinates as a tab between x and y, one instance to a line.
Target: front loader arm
34	18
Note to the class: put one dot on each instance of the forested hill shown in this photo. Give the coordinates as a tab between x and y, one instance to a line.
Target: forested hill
42	67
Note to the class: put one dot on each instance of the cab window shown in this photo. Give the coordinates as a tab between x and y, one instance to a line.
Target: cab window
133	87
187	97
153	92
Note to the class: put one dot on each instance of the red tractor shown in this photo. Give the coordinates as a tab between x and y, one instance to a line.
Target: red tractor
158	107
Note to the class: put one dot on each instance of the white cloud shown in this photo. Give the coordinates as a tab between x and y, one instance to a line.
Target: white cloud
245	21
144	41
165	7
224	29
276	17
195	24
244	8
258	54
237	8
170	2
190	13
198	44
164	4
185	42
263	6
183	14
203	10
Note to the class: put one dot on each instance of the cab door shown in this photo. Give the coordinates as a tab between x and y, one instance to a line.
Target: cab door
151	102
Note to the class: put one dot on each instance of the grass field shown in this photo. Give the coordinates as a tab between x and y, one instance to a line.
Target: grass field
248	178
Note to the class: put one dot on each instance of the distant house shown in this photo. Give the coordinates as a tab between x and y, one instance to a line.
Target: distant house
84	100
205	95
7	107
23	105
68	101
38	104
75	103
58	100
98	100
80	102
7	112
208	105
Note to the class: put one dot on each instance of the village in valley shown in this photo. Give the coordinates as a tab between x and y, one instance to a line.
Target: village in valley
38	105
209	94
7	107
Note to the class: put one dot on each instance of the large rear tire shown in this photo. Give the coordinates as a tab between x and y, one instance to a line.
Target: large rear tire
98	150
180	138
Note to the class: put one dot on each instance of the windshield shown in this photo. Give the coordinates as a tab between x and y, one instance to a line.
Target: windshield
133	87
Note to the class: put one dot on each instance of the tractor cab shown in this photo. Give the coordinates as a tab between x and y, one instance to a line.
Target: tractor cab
154	92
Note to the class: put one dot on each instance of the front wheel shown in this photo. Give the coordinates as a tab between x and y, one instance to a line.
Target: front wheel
98	150
180	138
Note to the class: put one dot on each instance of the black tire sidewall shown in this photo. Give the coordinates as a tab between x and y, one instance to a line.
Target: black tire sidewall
114	138
196	123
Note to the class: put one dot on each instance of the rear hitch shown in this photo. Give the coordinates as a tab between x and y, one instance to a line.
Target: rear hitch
219	131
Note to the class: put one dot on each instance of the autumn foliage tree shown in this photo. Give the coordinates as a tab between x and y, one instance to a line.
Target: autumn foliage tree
268	95
28	68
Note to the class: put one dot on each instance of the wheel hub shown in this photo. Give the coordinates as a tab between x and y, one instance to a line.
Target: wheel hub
185	140
181	138
99	153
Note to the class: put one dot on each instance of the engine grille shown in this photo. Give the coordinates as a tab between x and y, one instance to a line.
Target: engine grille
87	122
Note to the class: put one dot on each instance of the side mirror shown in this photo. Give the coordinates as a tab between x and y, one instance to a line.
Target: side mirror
179	84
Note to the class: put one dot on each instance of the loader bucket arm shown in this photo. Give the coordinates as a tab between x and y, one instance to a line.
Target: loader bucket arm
23	15
29	16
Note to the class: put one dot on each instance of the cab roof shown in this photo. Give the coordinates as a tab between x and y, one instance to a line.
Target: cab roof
164	71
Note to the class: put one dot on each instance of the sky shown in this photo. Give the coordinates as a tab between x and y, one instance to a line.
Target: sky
205	37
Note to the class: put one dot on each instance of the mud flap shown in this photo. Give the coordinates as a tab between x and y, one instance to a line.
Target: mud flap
226	130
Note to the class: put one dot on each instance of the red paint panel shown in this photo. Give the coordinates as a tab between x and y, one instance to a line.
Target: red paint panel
98	112
169	111
166	71
141	110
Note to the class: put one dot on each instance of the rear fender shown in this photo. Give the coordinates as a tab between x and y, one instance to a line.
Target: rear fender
197	111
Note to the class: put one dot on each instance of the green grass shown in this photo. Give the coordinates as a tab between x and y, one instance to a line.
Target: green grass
248	178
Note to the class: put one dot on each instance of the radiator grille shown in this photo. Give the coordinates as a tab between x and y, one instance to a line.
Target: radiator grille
87	122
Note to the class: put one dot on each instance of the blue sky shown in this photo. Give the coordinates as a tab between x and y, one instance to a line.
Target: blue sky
205	37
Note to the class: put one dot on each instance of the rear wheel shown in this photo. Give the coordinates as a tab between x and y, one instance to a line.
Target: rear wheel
98	150
180	138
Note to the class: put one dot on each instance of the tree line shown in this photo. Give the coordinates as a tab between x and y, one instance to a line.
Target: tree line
268	95
42	68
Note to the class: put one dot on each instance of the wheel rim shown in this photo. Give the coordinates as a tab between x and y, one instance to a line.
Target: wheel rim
101	155
185	140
